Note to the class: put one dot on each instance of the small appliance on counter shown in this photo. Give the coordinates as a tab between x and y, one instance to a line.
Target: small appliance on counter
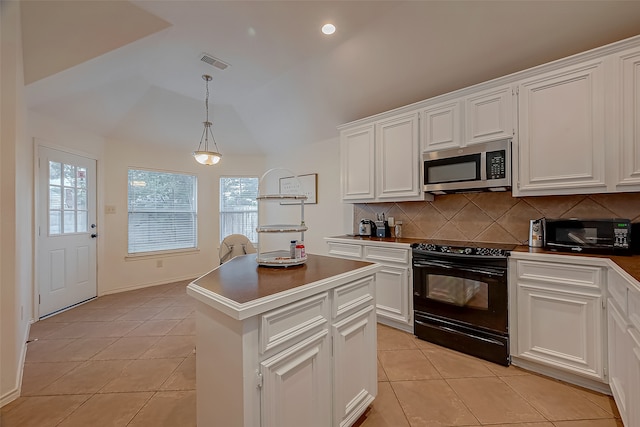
382	226
367	228
603	236
382	229
536	233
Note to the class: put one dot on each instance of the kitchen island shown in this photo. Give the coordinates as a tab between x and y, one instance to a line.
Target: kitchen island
285	346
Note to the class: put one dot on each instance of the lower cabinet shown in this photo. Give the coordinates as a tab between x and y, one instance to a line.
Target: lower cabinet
296	388
354	386
620	352
311	362
394	287
558	316
623	323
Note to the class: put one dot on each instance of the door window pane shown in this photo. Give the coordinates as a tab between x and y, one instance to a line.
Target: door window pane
68	205
69	225
55	171
54	222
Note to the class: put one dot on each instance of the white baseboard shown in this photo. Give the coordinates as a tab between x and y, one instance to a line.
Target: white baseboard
13	394
146	285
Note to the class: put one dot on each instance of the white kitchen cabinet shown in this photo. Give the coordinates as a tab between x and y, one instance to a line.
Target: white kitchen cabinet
381	161
357	163
558	315
442	126
394	286
354	386
620	353
634	378
561	125
489	115
398	161
627	162
624	346
301	354
296	386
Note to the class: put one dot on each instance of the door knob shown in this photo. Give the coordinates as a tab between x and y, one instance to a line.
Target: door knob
94	235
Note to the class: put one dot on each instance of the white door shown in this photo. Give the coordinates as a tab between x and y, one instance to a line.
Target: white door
67	232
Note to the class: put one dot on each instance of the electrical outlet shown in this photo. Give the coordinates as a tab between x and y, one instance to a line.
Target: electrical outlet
159	263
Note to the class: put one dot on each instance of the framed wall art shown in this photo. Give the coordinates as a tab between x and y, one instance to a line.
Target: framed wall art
302	184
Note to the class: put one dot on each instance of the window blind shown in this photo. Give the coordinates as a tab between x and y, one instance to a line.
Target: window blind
162	211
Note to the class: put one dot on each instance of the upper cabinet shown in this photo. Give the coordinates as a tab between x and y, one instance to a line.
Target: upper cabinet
627	68
482	116
381	161
561	127
489	115
398	159
357	152
441	126
574	123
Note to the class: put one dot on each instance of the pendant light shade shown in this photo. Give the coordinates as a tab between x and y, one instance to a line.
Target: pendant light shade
203	155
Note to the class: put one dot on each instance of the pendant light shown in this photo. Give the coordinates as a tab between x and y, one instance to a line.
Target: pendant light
206	157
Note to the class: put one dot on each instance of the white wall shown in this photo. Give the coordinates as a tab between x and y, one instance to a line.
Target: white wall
117	271
330	216
16	213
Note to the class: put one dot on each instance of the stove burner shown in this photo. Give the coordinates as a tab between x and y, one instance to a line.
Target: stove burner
462	250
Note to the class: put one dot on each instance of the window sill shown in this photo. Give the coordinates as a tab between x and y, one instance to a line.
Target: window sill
161	254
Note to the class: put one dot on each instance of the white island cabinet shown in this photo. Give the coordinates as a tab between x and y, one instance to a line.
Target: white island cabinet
285	347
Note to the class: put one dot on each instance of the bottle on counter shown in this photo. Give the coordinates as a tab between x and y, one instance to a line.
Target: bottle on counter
398	229
300	252
292	249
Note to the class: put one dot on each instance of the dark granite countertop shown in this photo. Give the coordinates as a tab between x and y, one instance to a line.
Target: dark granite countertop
630	264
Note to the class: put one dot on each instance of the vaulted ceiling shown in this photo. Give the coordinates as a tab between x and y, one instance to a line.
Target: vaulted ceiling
131	71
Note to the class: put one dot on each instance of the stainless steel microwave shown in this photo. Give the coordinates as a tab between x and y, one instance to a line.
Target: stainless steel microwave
478	167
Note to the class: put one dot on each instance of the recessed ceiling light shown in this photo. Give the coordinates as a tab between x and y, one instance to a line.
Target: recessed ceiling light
328	29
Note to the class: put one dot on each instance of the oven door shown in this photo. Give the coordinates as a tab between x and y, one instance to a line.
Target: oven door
474	295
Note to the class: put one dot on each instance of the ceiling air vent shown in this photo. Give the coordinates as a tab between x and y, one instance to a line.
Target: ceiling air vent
205	57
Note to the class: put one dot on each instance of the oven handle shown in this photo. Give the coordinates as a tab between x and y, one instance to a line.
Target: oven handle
419	263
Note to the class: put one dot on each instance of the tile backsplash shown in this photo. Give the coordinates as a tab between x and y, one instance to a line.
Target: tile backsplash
495	217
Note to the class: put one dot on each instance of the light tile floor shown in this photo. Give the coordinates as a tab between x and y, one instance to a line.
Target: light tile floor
127	360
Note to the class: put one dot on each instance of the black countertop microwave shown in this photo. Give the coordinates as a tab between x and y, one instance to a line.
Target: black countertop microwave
478	167
604	236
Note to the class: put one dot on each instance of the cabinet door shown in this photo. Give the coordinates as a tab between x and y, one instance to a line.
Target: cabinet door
561	329
398	171
628	161
441	126
634	378
296	388
355	366
620	351
357	152
392	296
489	115
561	132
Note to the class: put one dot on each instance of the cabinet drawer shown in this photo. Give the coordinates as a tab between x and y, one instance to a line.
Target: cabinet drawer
353	296
380	254
634	306
345	250
285	325
581	276
617	287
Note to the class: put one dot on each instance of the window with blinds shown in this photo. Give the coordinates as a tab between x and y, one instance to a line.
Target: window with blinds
162	211
239	207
